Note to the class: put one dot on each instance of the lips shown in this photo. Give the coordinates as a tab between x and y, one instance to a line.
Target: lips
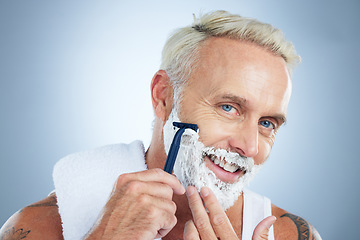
227	166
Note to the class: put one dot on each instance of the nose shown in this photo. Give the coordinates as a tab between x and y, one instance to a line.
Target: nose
244	139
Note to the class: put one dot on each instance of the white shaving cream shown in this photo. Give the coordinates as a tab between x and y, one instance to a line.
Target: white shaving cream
191	170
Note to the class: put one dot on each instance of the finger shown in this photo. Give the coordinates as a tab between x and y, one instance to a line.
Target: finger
165	229
218	218
262	229
157	214
199	214
155	202
153	175
148	215
190	231
155	189
164	222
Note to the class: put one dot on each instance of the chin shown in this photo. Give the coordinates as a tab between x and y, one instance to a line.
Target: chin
225	173
196	165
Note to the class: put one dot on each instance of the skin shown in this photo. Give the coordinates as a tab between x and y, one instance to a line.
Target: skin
40	220
238	95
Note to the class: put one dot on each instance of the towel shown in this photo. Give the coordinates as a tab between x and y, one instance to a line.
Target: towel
84	181
256	208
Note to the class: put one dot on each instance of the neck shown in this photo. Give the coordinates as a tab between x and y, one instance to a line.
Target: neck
155	156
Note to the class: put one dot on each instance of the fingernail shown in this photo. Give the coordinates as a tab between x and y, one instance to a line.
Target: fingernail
273	219
190	191
205	191
183	190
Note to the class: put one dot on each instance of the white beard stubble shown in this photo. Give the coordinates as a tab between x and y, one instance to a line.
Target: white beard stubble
191	170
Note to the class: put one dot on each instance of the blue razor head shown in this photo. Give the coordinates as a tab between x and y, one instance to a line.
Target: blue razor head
186	125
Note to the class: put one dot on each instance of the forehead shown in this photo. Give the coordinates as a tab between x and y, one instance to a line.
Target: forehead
243	69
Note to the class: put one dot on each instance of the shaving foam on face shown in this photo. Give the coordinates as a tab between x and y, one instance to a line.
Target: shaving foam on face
191	170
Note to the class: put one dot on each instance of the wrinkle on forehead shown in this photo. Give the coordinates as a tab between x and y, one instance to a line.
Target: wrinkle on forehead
227	65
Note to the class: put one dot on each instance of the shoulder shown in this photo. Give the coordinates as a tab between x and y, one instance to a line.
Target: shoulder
40	220
289	226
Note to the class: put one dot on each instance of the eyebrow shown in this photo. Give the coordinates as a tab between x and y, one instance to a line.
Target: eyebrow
237	99
280	118
242	101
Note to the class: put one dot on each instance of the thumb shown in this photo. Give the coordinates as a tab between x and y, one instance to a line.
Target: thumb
261	231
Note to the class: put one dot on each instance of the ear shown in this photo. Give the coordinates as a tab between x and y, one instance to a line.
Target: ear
162	94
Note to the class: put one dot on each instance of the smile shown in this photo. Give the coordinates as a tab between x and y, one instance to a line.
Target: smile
227	166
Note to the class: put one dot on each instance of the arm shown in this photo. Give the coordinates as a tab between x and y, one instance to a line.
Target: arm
290	226
140	207
40	220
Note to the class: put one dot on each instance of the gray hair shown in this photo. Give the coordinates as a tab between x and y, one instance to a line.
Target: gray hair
180	53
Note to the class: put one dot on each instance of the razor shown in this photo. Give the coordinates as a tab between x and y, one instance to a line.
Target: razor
175	145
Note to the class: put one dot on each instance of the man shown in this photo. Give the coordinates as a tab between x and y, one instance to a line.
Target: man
230	76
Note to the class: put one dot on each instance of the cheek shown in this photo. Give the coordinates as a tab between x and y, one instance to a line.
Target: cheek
214	132
264	151
211	128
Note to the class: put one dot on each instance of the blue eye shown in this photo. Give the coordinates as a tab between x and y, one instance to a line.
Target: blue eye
267	124
226	108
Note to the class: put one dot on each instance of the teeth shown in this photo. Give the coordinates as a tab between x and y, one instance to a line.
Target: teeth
230	167
220	161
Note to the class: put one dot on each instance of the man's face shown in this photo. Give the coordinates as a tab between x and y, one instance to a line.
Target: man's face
238	96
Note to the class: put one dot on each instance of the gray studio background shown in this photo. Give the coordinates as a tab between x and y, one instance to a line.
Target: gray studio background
75	75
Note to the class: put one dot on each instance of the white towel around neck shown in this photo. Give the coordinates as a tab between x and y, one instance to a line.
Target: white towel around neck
84	181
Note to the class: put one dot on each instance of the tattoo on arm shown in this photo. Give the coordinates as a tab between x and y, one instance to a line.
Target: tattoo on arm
11	234
303	228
